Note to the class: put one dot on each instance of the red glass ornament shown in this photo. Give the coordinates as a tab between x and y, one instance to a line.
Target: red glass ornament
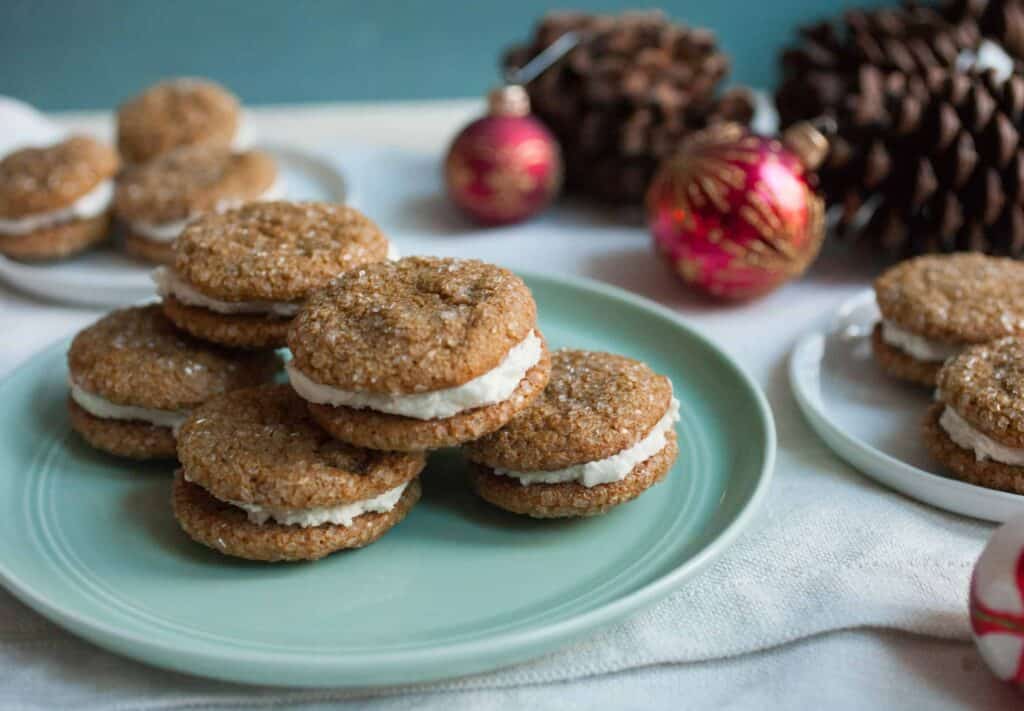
506	166
737	213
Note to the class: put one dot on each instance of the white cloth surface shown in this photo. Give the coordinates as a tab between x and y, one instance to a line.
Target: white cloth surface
841	672
830	550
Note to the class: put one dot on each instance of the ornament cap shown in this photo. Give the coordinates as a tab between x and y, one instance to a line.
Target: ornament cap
508	100
807	142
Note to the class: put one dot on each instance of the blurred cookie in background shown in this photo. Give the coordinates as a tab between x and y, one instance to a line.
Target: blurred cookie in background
179	112
155	201
55	200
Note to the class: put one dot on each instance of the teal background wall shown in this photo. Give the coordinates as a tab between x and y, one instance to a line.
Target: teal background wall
64	54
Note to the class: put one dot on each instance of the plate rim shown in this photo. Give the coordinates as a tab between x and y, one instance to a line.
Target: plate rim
475	656
894	474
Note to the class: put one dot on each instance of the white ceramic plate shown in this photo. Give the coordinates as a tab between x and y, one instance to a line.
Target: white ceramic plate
873	421
106	277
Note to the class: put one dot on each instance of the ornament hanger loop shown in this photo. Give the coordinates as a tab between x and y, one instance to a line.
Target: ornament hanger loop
551	54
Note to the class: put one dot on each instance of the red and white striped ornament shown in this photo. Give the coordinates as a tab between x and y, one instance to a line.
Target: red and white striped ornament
997	602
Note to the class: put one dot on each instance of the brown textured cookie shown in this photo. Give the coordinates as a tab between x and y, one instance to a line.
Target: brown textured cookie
963	464
174	113
571	498
148	250
227	530
275	251
410	326
595	405
123	438
985	385
260	446
189	181
233	330
135	356
379	430
56	242
955	298
44	179
902	365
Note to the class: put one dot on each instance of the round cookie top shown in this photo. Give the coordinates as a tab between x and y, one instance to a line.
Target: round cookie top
985	385
48	178
135	356
595	405
260	446
413	325
956	298
173	113
275	251
192	180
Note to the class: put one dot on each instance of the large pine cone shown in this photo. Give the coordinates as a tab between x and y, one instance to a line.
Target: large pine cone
821	71
857	161
627	96
850	72
951	177
999	20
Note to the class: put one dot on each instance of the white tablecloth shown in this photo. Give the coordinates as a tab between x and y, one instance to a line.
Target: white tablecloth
842	592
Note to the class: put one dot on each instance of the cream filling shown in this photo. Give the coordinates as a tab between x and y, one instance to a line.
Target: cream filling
984	447
496	385
917	346
92	204
611	469
342	515
169	283
101	407
164	232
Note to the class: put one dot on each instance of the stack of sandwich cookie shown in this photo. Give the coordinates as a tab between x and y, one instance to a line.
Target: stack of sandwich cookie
260	480
134	379
239	277
55	200
935	306
976	427
418	354
176	113
155	201
601	434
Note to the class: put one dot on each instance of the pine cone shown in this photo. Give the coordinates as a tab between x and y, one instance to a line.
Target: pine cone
822	70
952	176
879	105
855	73
999	20
626	96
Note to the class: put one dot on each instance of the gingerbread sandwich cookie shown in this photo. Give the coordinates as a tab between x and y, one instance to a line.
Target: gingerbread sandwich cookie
420	353
601	434
239	277
55	200
260	480
935	306
179	112
155	201
976	427
134	378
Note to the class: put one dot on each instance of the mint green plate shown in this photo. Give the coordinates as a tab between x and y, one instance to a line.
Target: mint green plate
458	587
